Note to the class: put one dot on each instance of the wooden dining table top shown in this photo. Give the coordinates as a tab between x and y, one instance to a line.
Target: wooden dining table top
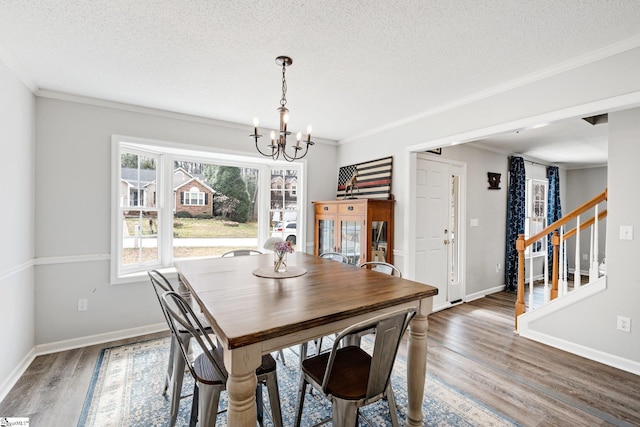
247	309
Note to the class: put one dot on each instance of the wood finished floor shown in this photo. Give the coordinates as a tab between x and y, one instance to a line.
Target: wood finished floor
471	347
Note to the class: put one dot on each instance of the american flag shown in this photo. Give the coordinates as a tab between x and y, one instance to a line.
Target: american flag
373	181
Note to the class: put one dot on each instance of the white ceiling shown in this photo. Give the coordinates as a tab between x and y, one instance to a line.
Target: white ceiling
358	65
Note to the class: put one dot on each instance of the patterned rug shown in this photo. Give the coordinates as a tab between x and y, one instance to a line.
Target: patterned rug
126	390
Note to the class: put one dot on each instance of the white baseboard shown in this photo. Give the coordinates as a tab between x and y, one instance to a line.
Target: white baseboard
627	365
55	347
13	378
484	293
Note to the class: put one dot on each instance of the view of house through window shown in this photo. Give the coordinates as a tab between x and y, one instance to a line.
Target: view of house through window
284	204
207	208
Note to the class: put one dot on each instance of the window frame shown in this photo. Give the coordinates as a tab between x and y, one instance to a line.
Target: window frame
167	153
530	208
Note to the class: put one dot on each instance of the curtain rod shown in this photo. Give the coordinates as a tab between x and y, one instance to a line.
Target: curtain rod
532	162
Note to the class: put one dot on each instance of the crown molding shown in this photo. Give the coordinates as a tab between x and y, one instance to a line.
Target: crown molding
580	61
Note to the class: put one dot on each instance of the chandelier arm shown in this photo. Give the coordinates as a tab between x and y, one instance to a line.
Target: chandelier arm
274	152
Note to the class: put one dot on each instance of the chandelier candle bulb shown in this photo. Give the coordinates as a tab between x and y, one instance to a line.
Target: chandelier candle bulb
309	133
298	137
255	125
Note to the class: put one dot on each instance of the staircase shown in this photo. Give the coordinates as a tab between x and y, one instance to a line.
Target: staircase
559	265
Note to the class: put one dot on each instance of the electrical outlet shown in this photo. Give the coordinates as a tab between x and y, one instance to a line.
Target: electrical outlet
83	304
498	268
624	324
585	257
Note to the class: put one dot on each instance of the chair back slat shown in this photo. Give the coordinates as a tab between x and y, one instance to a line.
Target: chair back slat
241	252
382	267
178	310
388	335
335	256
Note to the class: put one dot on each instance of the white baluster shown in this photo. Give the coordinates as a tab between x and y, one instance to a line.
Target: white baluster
576	269
563	264
594	260
531	276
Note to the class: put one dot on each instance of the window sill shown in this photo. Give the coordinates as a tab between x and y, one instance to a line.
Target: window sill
141	276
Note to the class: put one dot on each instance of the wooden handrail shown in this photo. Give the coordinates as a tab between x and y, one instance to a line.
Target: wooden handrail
584	225
522	244
568	217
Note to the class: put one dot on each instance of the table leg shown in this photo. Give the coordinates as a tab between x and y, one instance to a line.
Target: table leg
241	364
417	365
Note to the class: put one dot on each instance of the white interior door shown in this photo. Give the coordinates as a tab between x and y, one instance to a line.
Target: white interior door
438	255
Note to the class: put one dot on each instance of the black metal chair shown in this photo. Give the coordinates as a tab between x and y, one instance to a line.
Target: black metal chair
241	252
352	377
161	285
208	369
382	267
335	256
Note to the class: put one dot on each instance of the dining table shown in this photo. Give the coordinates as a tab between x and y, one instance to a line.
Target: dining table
254	310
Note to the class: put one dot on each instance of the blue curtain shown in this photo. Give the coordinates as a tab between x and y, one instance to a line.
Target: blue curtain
516	212
554	211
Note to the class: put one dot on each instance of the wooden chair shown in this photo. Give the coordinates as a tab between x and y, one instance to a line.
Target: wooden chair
382	267
352	377
241	252
208	369
161	285
335	256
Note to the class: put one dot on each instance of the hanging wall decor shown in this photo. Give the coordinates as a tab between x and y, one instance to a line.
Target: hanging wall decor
368	180
494	180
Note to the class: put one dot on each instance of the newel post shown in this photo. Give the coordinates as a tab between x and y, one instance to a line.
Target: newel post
555	242
520	306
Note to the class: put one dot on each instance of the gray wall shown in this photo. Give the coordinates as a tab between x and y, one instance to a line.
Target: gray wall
576	92
583	185
485	242
592	323
17	139
73	216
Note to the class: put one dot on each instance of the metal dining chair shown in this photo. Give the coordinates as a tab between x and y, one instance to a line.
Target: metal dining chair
335	256
241	252
382	267
208	369
161	285
351	377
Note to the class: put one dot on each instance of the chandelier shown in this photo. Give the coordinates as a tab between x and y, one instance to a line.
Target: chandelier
278	146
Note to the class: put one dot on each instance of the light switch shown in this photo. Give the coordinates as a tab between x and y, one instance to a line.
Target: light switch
626	232
474	222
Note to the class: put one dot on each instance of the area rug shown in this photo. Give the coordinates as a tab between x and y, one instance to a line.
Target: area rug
126	390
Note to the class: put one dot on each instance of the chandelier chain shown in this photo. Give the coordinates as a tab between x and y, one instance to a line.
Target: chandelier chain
283	101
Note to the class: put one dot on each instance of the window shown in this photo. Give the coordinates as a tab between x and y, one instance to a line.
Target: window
194	197
536	219
284	205
170	203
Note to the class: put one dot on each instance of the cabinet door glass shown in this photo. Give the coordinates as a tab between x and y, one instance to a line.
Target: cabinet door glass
379	241
326	236
350	240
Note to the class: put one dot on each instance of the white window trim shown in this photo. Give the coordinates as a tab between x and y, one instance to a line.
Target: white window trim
165	198
529	199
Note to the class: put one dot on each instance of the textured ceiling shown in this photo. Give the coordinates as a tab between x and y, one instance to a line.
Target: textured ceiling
358	65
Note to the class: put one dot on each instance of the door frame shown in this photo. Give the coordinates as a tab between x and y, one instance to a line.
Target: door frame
409	260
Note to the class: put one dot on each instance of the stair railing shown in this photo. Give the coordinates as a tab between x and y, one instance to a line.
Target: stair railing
559	263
